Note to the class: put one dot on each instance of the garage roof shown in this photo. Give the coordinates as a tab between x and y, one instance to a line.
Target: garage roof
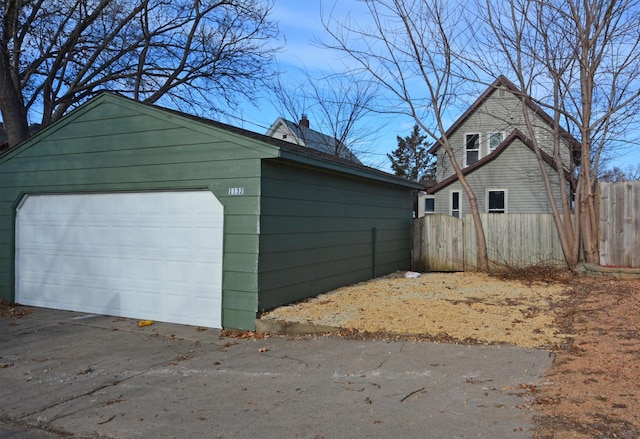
308	156
287	151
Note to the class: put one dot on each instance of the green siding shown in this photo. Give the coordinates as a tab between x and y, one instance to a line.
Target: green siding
112	144
304	224
316	231
248	243
239	318
241	300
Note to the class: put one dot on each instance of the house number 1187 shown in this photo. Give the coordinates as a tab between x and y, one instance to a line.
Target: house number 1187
236	191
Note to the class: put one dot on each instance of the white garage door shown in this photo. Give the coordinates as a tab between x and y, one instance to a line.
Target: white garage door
146	255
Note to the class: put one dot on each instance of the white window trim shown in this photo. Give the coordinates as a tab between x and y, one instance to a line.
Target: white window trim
464	147
422	196
459	210
424	205
506	199
489	151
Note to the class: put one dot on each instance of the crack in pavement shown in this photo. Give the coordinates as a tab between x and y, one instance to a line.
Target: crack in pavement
73	398
151	370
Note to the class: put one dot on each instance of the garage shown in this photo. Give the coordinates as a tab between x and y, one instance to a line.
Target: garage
129	209
147	255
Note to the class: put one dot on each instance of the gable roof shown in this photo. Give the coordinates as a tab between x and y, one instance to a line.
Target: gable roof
515	134
510	86
283	149
313	139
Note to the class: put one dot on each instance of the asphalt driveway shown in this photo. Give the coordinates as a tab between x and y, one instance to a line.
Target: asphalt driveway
74	375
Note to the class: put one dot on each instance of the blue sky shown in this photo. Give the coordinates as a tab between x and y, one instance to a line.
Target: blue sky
301	27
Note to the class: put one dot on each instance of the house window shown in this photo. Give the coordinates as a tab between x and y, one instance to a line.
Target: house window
495	139
472	148
497	201
455	204
429	205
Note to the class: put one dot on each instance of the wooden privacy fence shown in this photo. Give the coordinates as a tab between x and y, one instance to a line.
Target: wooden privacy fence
438	243
619	234
446	243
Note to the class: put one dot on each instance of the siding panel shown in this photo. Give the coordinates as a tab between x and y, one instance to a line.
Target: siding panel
517	171
317	232
496	114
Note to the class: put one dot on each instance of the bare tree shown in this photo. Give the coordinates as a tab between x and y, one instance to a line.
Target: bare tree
616	174
200	54
337	104
613	175
342	102
290	100
633	173
581	62
413	45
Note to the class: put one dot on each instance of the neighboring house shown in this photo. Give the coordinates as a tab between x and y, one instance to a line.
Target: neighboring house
301	134
497	158
128	209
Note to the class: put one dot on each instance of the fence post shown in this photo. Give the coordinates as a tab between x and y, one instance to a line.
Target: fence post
419	246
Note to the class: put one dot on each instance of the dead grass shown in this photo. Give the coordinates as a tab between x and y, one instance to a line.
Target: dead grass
596	374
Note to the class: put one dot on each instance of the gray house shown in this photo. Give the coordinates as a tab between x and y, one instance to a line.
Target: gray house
127	209
497	158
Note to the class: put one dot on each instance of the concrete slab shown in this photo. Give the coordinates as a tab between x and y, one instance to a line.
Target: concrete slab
96	376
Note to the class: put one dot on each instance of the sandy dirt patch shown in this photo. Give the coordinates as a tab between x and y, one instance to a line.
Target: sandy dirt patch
463	306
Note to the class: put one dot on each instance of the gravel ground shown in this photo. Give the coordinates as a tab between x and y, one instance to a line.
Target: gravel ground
461	306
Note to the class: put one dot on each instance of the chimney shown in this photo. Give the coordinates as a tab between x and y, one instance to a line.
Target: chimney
304	122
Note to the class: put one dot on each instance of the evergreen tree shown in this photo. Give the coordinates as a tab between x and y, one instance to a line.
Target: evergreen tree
411	158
